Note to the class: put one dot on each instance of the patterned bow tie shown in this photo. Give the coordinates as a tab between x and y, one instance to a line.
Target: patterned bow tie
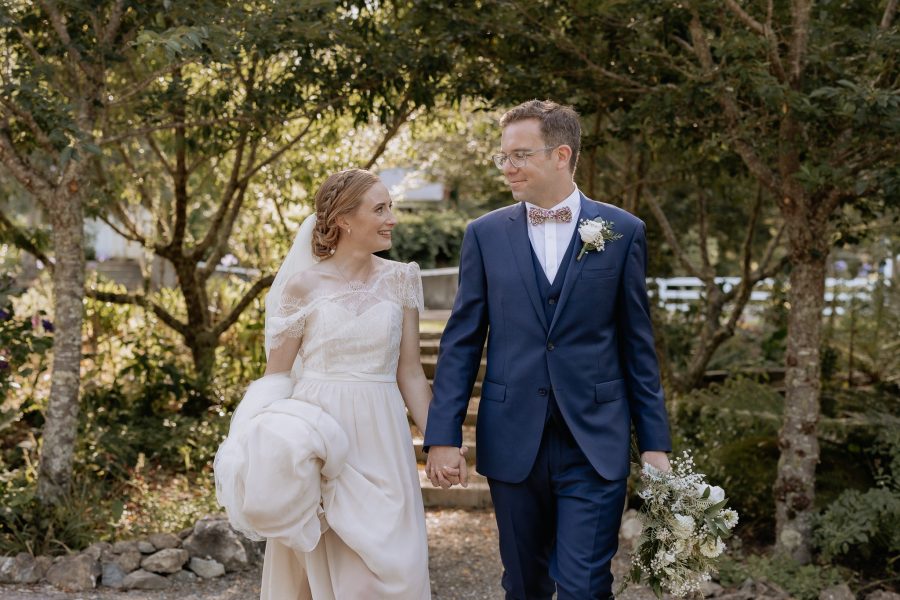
537	216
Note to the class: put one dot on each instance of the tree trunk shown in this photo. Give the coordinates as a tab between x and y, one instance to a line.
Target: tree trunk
795	482
61	426
203	350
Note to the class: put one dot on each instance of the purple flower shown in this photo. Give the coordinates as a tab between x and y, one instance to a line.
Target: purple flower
48	326
840	266
3	315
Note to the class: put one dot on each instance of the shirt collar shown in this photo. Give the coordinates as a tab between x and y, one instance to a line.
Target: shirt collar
573	201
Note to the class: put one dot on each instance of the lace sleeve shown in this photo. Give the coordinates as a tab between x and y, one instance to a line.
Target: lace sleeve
288	321
411	295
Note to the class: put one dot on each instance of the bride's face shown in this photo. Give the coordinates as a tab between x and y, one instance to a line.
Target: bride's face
372	222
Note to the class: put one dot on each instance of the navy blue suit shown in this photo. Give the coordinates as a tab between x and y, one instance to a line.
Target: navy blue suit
562	388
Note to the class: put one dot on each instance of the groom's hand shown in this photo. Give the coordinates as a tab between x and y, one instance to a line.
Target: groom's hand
446	466
659	460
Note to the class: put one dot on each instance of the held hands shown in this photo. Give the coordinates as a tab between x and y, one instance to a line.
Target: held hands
446	466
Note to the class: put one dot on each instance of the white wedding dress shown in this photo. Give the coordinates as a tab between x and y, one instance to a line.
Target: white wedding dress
321	463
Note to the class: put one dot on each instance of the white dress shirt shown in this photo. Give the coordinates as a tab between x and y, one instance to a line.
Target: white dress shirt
550	239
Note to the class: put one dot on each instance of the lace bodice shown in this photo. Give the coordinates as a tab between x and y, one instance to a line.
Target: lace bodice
348	329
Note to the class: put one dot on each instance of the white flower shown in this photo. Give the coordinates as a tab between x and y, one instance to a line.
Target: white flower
684	526
712	548
595	234
716	494
730	517
591	232
665	558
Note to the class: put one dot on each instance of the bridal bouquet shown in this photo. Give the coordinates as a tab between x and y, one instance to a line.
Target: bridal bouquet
684	522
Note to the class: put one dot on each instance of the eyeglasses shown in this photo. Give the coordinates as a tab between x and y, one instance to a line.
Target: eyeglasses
519	158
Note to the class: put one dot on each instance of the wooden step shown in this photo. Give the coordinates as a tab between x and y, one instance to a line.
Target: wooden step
430	335
429	347
476	495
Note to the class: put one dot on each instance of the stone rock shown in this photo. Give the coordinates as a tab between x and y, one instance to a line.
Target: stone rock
75	573
183	577
144	580
97	549
185	532
163	541
837	592
883	595
112	575
710	589
206	568
214	538
146	547
631	527
23	568
123	547
5	566
127	561
169	560
256	551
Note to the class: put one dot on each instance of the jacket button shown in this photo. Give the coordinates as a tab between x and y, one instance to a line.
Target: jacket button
550	346
552	301
542	391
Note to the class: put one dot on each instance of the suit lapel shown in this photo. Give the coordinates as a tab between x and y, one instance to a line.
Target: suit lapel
589	211
517	230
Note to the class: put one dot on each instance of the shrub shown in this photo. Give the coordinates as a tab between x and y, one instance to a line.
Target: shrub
732	429
803	582
862	529
431	238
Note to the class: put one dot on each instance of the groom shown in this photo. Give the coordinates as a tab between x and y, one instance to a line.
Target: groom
571	365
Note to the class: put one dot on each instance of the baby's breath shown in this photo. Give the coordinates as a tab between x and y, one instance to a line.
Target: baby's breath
684	524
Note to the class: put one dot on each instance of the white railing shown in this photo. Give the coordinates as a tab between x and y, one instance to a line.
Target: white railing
678	293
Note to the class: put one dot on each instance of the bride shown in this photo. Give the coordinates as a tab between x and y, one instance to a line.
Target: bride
319	459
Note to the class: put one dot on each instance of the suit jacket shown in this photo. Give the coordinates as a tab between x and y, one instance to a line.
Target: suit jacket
597	355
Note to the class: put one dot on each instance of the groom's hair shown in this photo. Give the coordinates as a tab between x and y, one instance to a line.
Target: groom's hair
559	124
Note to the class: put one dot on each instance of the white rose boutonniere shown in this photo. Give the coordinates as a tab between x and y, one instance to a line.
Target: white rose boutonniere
595	234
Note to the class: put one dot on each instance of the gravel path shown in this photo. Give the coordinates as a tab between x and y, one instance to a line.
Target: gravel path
464	565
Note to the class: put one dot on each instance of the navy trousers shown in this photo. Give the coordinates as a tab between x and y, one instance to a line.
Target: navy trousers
559	527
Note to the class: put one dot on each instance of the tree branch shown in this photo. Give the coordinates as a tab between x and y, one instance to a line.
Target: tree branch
56	21
745	17
400	117
21	240
245	301
730	107
800	11
39	134
143	301
708	271
112	25
889	11
671	238
25	174
228	197
159	155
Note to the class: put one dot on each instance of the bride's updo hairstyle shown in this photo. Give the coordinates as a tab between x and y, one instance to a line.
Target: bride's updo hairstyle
341	194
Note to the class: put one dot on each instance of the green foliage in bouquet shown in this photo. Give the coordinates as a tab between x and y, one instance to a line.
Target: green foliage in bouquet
685	521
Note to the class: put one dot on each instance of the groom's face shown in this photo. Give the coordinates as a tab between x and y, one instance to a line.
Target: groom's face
543	174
